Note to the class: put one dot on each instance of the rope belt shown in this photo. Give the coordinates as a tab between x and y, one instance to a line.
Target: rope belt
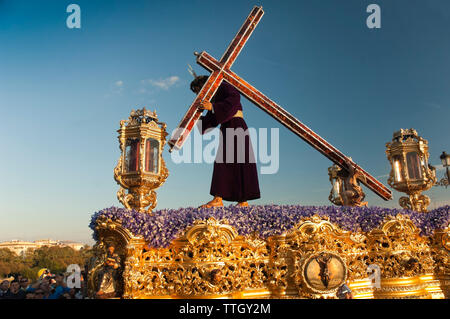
239	114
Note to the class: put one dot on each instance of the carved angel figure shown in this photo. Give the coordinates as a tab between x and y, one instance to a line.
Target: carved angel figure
352	195
108	281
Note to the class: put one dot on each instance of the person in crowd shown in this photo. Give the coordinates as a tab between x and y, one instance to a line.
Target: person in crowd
45	287
72	292
14	276
60	287
24	283
65	296
48	286
29	295
4	286
83	286
14	291
39	294
36	285
75	293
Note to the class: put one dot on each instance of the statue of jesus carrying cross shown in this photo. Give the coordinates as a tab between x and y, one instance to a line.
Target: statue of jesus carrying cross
233	84
233	179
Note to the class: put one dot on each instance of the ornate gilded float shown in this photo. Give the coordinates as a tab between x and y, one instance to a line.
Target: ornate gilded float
278	252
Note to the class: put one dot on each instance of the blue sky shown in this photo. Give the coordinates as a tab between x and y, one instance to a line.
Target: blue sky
63	92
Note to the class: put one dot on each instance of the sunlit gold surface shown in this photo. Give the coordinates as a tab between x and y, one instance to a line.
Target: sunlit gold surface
210	260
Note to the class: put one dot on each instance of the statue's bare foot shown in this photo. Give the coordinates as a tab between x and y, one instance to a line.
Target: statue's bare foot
216	202
363	204
242	204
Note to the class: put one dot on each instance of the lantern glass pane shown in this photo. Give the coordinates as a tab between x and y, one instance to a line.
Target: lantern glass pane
152	156
132	155
397	170
413	163
447	160
336	188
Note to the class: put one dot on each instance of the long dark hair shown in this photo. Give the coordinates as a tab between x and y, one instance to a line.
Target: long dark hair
198	81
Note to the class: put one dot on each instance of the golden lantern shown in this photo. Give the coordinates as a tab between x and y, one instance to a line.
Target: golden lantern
410	173
141	168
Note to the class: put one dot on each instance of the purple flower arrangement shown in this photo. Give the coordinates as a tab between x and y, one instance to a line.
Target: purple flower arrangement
163	226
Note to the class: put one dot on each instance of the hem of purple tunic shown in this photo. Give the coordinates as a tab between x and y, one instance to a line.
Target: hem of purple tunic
236	199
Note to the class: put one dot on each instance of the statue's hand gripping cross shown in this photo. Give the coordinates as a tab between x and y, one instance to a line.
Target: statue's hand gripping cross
221	71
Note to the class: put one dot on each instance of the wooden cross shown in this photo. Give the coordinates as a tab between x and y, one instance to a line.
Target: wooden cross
221	71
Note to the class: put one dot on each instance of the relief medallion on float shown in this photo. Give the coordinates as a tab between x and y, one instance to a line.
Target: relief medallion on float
324	272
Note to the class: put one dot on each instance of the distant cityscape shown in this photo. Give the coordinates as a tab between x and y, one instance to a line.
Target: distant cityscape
20	247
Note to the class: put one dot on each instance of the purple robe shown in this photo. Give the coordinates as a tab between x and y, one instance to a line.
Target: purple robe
235	178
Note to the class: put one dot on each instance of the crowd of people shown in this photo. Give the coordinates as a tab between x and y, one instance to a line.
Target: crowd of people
48	286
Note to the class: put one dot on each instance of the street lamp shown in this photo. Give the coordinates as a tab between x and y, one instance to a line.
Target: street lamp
445	159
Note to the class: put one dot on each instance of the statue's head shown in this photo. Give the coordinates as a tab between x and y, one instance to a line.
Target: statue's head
343	173
198	82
